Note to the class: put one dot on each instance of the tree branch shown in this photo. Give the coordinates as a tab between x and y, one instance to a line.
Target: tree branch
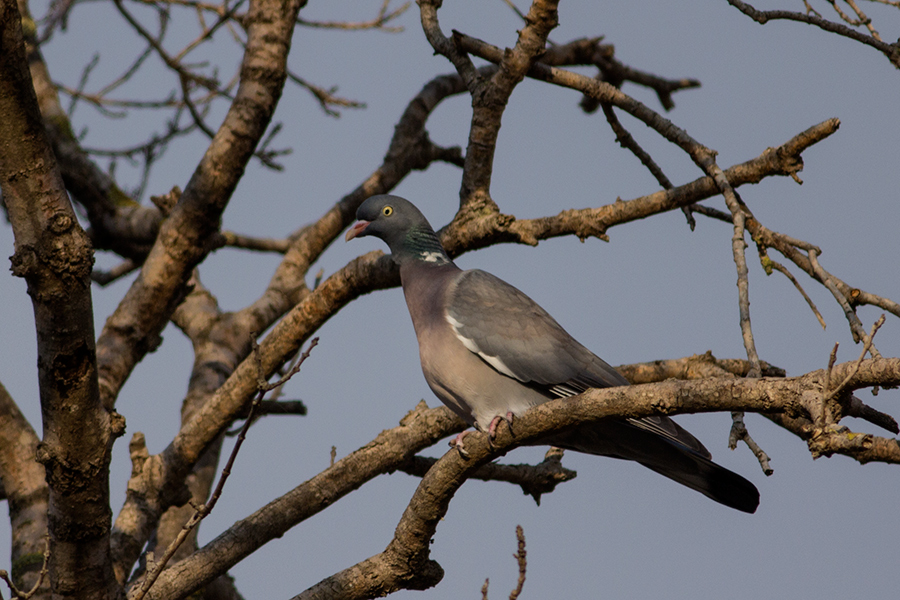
489	96
134	328
421	428
204	510
219	340
891	51
405	563
117	221
25	490
54	256
535	480
594	222
363	275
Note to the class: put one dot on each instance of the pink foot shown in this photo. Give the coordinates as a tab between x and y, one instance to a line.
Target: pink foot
492	428
457	443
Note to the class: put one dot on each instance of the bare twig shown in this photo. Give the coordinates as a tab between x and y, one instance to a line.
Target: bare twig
57	16
739	433
712	213
378	22
844	16
626	140
769	264
863	411
856	326
267	157
184	74
326	98
151	150
82	82
833	393
738	428
132	69
740	260
237	240
891	51
272	407
282	407
617	73
101	102
515	9
21	595
535	480
520	560
200	7
205	509
797	251
861	18
122	269
832	358
208	32
196	114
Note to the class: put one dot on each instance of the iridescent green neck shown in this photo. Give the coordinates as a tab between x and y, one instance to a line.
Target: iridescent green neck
422	243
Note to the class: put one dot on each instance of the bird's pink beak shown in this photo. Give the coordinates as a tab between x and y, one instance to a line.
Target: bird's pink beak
356	230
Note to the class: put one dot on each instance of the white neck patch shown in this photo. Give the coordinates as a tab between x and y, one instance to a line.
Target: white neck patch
432	257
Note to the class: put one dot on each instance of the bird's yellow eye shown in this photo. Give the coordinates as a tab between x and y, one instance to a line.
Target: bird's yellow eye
387	211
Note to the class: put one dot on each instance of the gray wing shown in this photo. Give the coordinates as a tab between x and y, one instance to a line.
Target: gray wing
518	338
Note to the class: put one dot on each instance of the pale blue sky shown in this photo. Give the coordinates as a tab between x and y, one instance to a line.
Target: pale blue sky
824	528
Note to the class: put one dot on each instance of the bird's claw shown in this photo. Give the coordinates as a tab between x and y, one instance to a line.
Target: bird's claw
492	428
457	443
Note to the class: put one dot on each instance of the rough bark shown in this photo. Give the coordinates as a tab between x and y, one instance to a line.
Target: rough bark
187	234
79	388
26	492
55	257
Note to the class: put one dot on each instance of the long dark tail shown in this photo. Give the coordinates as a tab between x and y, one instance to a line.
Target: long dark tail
668	457
713	481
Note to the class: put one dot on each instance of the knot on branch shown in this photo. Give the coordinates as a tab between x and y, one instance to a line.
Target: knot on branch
147	473
476	226
116	425
789	163
584	224
24	261
547	475
70	259
813	406
426	576
699	366
137	450
167	202
420	411
60	223
835	438
895	54
65	475
400	567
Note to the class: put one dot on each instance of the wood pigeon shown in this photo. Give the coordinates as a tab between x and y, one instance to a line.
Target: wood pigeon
490	353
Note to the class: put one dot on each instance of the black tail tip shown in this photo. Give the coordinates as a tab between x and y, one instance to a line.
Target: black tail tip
734	491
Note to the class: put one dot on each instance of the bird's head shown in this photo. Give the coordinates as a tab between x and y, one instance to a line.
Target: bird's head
401	226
